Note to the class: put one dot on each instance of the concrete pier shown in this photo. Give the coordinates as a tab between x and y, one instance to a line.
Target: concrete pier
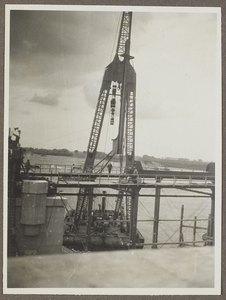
39	220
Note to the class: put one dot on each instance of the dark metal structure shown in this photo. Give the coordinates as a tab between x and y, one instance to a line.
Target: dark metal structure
119	84
15	159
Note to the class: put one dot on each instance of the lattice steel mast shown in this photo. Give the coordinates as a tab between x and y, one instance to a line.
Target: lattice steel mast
119	81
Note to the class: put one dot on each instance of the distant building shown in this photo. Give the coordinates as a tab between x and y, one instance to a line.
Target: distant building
183	159
171	158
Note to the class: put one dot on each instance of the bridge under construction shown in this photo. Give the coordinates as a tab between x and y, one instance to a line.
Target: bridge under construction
194	185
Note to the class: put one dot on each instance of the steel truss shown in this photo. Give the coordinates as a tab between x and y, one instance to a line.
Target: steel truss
118	74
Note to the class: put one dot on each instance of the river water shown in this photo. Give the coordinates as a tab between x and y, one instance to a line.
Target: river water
170	207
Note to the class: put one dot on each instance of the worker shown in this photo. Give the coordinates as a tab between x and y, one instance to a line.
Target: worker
135	175
135	171
27	166
109	168
73	168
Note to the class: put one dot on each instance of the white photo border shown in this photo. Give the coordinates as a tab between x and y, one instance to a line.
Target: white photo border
218	142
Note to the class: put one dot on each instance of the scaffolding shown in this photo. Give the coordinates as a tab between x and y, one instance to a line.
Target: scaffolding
196	185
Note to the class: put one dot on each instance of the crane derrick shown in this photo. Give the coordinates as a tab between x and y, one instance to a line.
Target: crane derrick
119	84
92	147
119	73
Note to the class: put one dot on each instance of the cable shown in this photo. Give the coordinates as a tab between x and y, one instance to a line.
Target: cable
197	216
191	213
107	133
141	203
170	208
159	223
189	224
171	201
61	136
146	198
116	34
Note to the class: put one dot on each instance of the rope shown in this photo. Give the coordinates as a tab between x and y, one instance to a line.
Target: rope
107	133
188	224
197	215
186	228
191	214
170	208
75	268
49	140
171	201
109	202
159	222
116	34
146	198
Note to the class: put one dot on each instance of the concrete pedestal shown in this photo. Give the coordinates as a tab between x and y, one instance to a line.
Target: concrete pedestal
39	220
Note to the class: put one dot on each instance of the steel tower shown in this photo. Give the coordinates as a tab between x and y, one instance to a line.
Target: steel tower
118	84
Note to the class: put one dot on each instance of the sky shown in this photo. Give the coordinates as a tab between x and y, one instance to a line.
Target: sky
57	61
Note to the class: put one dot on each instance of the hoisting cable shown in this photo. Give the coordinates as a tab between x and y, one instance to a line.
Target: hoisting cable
107	132
109	154
116	35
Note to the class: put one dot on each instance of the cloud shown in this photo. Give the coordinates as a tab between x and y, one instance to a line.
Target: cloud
55	50
51	32
175	62
50	99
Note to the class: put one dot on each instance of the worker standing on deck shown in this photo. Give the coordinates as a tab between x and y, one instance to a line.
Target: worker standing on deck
27	166
109	168
135	174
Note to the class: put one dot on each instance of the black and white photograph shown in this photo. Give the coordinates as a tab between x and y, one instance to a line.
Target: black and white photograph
112	150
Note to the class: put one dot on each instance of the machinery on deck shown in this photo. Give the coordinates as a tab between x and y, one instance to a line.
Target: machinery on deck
118	86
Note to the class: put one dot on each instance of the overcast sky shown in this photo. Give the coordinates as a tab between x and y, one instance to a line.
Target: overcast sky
57	61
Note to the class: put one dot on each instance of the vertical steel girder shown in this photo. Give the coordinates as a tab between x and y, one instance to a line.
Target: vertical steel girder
133	217
130	128
128	208
90	206
212	217
181	236
156	217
